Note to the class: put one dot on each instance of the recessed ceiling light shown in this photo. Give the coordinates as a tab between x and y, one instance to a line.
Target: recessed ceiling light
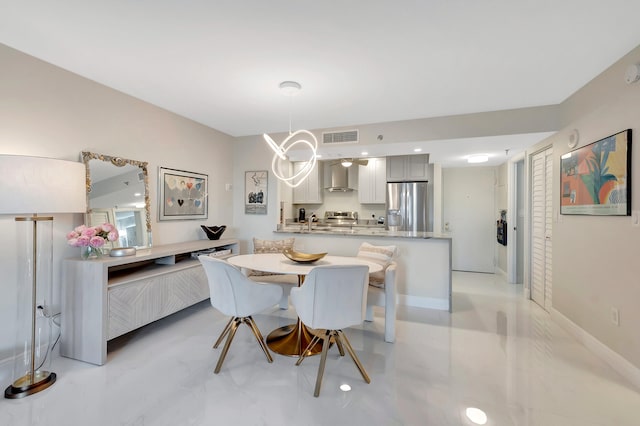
364	153
417	150
476	415
137	194
345	388
318	155
478	158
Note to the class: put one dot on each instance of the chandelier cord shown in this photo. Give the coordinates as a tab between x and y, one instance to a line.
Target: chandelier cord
290	109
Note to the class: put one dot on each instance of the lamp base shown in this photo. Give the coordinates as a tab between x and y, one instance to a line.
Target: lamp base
20	388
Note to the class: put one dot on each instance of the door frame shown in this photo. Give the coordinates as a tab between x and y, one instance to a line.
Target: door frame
512	218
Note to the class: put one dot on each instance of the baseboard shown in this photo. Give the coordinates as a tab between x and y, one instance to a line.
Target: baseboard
500	272
6	369
423	302
613	359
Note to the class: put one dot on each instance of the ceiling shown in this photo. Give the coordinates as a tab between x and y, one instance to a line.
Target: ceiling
359	61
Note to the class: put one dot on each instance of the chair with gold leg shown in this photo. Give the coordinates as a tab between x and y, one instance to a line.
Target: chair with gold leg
331	299
236	295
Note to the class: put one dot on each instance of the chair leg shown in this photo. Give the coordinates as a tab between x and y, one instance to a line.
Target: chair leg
309	346
323	360
224	333
339	344
256	332
232	332
341	336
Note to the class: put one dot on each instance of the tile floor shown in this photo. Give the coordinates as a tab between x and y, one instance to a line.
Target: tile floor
496	352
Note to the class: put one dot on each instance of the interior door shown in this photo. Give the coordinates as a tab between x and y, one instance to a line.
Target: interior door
541	227
469	216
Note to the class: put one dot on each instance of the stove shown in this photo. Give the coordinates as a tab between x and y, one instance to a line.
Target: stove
340	218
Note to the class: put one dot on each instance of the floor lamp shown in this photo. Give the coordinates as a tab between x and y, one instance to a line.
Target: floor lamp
36	185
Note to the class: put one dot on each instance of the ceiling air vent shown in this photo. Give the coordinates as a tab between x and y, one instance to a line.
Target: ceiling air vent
348	136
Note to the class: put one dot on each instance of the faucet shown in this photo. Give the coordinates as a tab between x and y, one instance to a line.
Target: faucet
310	221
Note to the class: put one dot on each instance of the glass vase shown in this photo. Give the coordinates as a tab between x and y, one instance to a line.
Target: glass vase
89	252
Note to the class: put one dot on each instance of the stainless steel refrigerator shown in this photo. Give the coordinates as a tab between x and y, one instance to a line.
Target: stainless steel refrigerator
406	206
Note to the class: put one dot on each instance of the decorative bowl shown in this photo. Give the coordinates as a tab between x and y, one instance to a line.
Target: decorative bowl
303	257
213	232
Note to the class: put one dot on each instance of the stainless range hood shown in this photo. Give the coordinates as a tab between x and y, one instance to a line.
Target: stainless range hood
339	179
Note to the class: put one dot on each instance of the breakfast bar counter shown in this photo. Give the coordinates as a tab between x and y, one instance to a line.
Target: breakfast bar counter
424	258
367	231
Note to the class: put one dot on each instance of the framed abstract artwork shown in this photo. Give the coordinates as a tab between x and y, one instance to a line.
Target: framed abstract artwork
182	195
255	192
596	179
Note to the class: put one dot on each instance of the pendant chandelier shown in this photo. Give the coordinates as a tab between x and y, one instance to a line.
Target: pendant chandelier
300	138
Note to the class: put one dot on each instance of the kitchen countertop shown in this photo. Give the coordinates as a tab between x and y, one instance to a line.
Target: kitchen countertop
357	230
424	259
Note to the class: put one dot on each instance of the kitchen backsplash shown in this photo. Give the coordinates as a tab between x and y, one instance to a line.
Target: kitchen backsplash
343	201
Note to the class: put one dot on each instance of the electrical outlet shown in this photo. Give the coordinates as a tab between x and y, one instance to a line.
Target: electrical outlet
635	218
615	316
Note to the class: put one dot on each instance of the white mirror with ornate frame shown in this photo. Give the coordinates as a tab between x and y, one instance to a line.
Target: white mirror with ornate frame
118	193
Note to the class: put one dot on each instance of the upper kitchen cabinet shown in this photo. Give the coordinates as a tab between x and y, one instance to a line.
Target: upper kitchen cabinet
408	168
372	180
309	191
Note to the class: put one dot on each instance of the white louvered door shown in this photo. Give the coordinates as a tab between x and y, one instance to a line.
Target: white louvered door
541	227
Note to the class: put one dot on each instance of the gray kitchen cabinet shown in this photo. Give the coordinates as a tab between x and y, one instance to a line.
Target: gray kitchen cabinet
407	168
372	180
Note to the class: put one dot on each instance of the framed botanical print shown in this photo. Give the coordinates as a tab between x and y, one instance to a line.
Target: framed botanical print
596	179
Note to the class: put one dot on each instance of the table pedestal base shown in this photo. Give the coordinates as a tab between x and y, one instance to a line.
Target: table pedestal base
292	339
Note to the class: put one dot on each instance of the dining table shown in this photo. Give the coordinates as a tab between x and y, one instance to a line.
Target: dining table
292	339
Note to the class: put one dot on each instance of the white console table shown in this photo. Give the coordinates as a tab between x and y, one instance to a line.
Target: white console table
108	297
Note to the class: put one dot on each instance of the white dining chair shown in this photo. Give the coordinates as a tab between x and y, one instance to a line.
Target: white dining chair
236	295
332	298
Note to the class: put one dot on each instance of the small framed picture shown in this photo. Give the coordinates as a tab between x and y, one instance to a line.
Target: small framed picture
183	195
255	192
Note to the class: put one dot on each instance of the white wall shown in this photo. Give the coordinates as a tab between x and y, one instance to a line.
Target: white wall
46	111
595	259
251	153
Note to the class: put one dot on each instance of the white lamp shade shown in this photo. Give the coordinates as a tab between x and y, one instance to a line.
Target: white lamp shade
41	185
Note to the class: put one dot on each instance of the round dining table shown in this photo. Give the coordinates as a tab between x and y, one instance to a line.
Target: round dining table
292	339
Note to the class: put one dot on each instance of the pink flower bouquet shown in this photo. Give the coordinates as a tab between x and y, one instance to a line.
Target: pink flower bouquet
92	236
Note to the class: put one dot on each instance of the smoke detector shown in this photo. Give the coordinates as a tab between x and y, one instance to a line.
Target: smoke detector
632	74
573	138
